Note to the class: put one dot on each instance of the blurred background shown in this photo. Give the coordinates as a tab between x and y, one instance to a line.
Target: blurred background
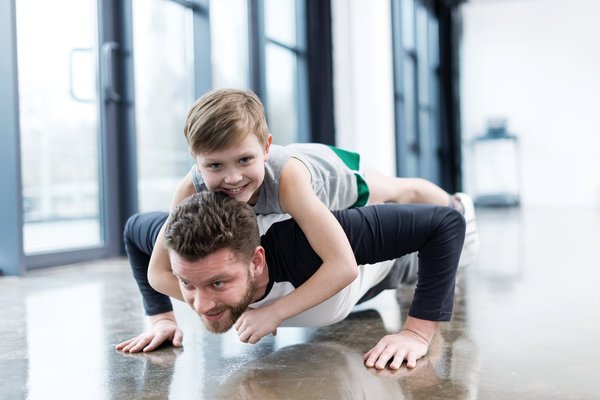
492	97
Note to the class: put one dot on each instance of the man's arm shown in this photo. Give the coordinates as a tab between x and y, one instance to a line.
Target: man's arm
388	231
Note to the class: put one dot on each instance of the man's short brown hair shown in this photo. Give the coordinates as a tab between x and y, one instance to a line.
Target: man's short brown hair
222	118
207	221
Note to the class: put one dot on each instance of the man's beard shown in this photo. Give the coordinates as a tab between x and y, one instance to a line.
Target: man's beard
225	323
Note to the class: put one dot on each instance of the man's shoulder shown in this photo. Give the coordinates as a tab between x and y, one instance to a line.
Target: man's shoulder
267	221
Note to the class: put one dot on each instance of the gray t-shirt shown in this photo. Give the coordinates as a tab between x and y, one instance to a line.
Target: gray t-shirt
332	180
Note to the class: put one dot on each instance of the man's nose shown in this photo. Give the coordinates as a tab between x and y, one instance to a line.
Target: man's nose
202	302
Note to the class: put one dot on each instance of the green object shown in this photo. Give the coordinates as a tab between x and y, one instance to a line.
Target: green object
352	161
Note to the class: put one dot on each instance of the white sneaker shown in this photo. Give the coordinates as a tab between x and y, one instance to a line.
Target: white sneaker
471	246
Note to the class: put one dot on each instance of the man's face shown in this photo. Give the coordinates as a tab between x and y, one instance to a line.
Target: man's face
237	171
218	287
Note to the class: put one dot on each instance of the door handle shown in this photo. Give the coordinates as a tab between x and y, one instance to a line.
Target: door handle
73	70
108	49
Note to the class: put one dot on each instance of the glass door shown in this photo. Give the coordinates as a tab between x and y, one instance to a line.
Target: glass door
164	92
59	124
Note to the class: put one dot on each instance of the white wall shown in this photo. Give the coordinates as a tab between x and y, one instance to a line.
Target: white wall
537	63
363	80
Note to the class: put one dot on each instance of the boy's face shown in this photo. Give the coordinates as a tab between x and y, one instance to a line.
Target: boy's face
237	171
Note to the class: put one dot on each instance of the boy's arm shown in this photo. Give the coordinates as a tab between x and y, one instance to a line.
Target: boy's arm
410	344
160	275
328	240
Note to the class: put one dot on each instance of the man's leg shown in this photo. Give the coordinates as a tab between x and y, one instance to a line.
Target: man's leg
140	235
471	246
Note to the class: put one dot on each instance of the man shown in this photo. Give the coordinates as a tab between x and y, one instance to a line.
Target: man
225	268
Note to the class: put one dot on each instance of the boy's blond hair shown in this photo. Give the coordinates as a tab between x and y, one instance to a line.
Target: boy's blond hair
222	118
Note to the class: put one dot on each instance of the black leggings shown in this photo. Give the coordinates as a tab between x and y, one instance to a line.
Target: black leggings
141	231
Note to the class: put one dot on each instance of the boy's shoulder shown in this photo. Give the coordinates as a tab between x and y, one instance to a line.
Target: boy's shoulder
300	150
278	156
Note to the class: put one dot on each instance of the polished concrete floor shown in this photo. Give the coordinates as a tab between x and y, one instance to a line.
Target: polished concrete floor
526	326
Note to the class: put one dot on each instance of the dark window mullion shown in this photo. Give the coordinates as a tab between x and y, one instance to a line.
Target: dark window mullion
256	47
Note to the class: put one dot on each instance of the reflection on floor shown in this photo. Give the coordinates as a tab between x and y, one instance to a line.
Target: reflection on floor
525	326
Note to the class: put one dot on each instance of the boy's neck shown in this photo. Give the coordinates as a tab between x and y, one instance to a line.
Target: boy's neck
255	195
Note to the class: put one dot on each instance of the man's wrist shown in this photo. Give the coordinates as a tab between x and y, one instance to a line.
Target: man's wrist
278	310
422	328
417	335
166	316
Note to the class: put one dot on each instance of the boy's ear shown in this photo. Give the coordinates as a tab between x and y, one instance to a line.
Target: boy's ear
268	145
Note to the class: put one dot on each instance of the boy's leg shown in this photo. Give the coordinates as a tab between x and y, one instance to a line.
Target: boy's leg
140	235
386	189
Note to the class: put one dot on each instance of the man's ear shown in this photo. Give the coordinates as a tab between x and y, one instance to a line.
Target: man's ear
259	261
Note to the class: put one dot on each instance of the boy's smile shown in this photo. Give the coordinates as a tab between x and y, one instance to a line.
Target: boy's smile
237	171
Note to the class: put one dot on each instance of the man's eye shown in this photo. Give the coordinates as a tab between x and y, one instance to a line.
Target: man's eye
218	284
185	285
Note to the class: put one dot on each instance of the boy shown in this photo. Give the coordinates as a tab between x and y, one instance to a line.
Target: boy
228	137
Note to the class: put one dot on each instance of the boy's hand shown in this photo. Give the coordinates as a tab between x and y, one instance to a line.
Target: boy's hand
254	324
162	328
404	345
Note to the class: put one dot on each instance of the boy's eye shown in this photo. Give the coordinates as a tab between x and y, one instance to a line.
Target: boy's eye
246	160
215	166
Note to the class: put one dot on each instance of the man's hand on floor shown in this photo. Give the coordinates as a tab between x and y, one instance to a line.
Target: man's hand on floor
397	347
163	327
410	344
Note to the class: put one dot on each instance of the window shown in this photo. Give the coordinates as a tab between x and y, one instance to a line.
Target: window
416	57
285	77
